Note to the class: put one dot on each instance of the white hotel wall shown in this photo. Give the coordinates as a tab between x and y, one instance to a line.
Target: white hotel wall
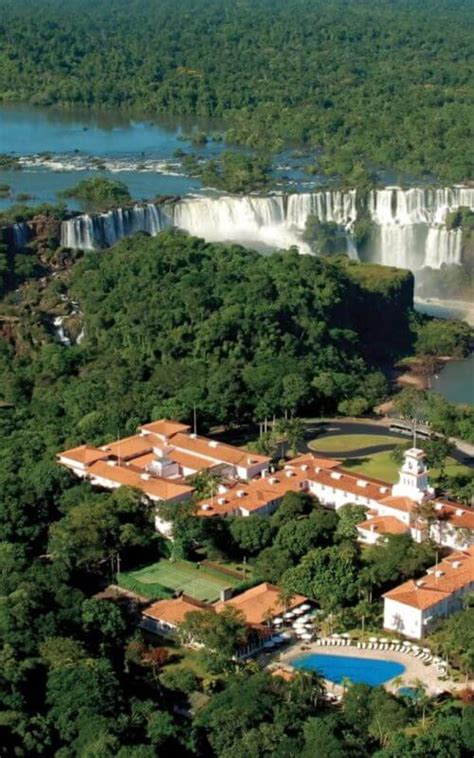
403	618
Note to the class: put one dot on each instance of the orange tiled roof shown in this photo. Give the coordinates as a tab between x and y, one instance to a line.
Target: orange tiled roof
165	428
250	496
191	460
218	451
174	610
309	459
458	515
85	454
453	573
163	489
259	602
405	504
384	525
129	447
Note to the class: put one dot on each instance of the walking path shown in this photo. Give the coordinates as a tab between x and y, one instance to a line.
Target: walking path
414	668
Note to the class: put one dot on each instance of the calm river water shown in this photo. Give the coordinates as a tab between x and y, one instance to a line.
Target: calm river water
57	148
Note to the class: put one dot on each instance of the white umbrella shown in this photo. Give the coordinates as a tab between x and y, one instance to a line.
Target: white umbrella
307	636
298	611
288	615
426	649
285	636
373	639
384	640
278	620
305	607
297	625
346	635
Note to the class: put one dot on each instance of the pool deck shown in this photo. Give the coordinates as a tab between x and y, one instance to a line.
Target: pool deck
414	669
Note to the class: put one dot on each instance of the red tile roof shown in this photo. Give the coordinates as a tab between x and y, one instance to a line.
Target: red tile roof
384	525
261	602
165	428
453	573
154	487
174	610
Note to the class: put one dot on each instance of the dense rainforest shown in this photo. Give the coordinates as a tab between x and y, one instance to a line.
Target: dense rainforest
173	323
384	83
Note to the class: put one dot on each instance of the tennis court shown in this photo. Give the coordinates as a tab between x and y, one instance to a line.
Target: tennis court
178	576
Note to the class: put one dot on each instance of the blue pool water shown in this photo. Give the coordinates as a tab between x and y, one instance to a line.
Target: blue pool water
336	668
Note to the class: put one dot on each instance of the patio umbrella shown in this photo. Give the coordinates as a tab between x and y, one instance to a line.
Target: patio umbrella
305	607
297	625
278	620
285	636
426	649
288	615
298	611
346	635
373	639
384	640
307	636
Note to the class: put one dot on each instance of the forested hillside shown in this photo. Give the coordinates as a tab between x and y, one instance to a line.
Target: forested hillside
386	82
172	323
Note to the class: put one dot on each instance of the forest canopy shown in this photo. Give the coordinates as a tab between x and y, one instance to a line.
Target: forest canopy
385	82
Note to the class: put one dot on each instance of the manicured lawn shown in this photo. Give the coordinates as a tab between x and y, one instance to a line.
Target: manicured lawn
166	577
341	443
381	466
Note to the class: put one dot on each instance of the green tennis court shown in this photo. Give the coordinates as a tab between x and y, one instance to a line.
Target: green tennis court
167	577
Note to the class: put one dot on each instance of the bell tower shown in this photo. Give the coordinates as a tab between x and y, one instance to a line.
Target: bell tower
413	477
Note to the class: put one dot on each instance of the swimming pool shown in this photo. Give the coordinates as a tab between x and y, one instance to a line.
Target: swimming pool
336	668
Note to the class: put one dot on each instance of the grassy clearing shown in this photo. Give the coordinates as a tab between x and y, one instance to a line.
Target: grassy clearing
165	577
342	443
381	466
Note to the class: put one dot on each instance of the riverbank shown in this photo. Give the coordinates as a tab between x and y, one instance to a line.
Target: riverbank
459	309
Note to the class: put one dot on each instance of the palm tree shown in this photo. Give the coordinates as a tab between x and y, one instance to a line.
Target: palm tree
285	596
421	698
308	687
362	610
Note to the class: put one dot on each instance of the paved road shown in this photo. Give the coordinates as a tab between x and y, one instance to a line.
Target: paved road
331	428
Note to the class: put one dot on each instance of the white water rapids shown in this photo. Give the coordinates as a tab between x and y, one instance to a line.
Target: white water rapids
409	225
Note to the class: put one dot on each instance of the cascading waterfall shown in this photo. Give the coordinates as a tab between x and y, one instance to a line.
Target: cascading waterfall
21	234
409	231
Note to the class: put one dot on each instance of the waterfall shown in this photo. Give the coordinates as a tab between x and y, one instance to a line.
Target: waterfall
443	246
21	234
58	324
409	225
106	229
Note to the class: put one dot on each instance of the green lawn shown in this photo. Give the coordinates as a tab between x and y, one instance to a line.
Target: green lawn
381	466
342	443
164	578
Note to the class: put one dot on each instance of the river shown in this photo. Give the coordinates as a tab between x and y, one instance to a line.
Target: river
456	381
57	148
